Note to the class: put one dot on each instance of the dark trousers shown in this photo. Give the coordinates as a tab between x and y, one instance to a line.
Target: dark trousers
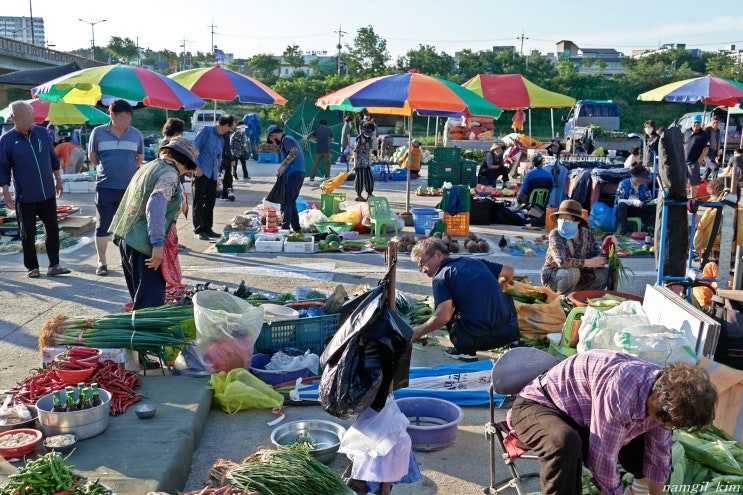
492	174
46	210
562	447
364	180
226	179
243	159
646	214
146	286
468	339
204	192
289	213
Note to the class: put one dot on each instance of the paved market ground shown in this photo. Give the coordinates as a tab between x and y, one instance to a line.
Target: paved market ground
462	468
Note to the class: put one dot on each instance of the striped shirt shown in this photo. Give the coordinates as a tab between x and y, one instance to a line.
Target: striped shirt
607	392
117	156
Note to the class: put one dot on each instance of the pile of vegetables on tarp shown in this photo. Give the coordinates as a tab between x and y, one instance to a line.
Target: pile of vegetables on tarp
288	471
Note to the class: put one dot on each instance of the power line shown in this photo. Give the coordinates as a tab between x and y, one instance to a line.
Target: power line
212	26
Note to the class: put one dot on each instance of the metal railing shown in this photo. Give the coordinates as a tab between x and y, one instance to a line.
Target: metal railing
19	49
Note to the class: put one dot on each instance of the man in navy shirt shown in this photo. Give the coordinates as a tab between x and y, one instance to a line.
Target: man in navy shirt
324	136
27	154
468	299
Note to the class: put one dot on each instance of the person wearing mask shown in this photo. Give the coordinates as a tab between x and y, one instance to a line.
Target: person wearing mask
146	214
239	146
493	165
633	158
116	150
574	259
603	408
536	178
711	166
696	145
323	136
651	137
27	157
362	162
227	165
634	199
555	148
291	169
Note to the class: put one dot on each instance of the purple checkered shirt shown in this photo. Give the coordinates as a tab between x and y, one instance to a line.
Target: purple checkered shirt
607	392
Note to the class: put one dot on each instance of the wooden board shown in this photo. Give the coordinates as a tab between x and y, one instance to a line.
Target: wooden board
76	225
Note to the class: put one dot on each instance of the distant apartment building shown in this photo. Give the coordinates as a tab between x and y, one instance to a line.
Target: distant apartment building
599	61
23	29
695	52
322	57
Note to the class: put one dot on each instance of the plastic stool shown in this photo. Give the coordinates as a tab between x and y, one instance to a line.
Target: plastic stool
636	221
384	170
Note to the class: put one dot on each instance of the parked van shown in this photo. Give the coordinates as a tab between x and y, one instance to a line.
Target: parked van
201	118
601	113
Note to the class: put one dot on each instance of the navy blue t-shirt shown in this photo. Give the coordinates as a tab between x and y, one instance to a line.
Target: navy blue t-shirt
323	134
472	286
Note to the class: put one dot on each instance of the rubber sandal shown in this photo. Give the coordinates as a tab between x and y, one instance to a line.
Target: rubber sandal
55	270
102	270
33	273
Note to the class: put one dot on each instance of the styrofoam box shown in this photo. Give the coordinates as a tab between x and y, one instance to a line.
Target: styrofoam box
128	357
79	186
299	247
271	243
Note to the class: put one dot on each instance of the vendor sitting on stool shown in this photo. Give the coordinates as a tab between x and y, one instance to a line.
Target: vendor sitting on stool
537	178
633	199
415	163
574	259
493	165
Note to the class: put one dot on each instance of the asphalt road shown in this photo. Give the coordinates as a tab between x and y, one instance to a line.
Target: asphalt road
462	468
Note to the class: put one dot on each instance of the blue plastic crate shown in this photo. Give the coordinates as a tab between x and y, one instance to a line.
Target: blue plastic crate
303	333
400	174
268	158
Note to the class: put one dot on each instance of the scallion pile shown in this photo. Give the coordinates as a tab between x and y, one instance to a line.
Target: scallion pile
140	330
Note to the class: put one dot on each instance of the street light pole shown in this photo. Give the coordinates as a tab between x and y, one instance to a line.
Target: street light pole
92	35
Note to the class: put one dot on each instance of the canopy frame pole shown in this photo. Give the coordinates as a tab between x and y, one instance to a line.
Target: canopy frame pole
552	120
436	139
410	162
529	121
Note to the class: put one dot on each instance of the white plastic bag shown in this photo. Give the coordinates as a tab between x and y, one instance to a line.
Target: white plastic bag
597	327
310	217
655	343
226	330
281	361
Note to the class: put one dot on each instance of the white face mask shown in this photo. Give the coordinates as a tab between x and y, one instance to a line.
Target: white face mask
649	130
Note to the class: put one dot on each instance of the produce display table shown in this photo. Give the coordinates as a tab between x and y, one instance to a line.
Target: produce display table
145	455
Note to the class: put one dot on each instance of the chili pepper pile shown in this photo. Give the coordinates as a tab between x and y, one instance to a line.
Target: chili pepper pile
110	376
50	474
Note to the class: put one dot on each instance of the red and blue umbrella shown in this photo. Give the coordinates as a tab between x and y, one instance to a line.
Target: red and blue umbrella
218	83
708	90
108	82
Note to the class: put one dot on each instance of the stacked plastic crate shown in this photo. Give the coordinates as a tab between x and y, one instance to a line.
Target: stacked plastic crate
469	172
445	167
459	224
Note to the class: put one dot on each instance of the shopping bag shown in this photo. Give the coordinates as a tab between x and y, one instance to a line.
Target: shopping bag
239	389
277	192
535	321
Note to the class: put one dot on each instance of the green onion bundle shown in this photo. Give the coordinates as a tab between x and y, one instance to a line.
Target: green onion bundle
279	472
140	330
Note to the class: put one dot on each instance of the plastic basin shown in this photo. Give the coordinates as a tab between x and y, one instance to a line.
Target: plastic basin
83	424
433	422
326	434
274	377
580	298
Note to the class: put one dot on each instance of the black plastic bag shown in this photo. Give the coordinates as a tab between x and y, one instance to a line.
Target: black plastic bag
277	192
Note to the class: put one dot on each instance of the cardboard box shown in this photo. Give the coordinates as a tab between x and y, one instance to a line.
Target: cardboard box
127	357
299	247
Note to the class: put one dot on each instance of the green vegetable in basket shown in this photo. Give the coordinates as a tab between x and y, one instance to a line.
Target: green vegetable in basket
284	298
257	296
315	294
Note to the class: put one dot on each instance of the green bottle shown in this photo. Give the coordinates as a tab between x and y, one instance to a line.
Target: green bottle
79	401
57	402
86	400
70	391
95	395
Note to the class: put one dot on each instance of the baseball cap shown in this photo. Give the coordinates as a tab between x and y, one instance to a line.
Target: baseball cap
185	148
696	118
272	129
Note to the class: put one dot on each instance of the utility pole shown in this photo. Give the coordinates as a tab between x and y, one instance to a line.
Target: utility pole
212	26
522	38
183	45
31	14
340	32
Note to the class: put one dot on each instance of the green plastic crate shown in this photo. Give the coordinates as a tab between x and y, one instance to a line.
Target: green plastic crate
330	203
464	194
469	173
447	155
304	333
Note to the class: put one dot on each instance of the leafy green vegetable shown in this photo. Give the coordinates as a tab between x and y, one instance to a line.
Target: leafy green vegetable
284	298
315	294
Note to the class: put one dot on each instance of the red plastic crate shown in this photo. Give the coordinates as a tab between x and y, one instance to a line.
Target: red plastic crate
457	225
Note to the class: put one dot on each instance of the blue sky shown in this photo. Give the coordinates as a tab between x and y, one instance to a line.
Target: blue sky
248	27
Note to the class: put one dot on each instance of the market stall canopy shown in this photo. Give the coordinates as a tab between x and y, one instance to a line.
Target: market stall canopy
514	91
708	90
34	77
61	113
109	82
218	83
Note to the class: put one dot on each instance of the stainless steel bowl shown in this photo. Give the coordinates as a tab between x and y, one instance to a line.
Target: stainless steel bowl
145	411
32	423
83	424
326	434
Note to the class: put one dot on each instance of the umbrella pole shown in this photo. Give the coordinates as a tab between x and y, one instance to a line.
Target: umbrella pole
428	125
529	121
552	120
436	139
410	161
725	141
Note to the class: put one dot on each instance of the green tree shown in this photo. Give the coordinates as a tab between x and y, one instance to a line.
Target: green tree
265	67
203	59
426	60
294	57
722	66
368	56
124	49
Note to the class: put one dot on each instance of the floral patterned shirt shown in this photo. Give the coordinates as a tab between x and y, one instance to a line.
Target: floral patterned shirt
362	151
568	253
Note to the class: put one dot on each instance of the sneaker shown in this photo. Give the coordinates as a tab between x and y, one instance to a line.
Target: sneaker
213	234
455	353
224	199
230	195
202	236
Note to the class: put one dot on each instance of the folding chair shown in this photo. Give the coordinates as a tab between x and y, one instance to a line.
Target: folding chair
539	196
380	215
512	372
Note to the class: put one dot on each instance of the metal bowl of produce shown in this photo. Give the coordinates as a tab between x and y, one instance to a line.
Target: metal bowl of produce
15	417
322	438
145	411
83	424
64	444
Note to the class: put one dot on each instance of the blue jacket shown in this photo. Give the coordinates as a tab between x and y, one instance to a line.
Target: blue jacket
31	161
625	187
210	145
